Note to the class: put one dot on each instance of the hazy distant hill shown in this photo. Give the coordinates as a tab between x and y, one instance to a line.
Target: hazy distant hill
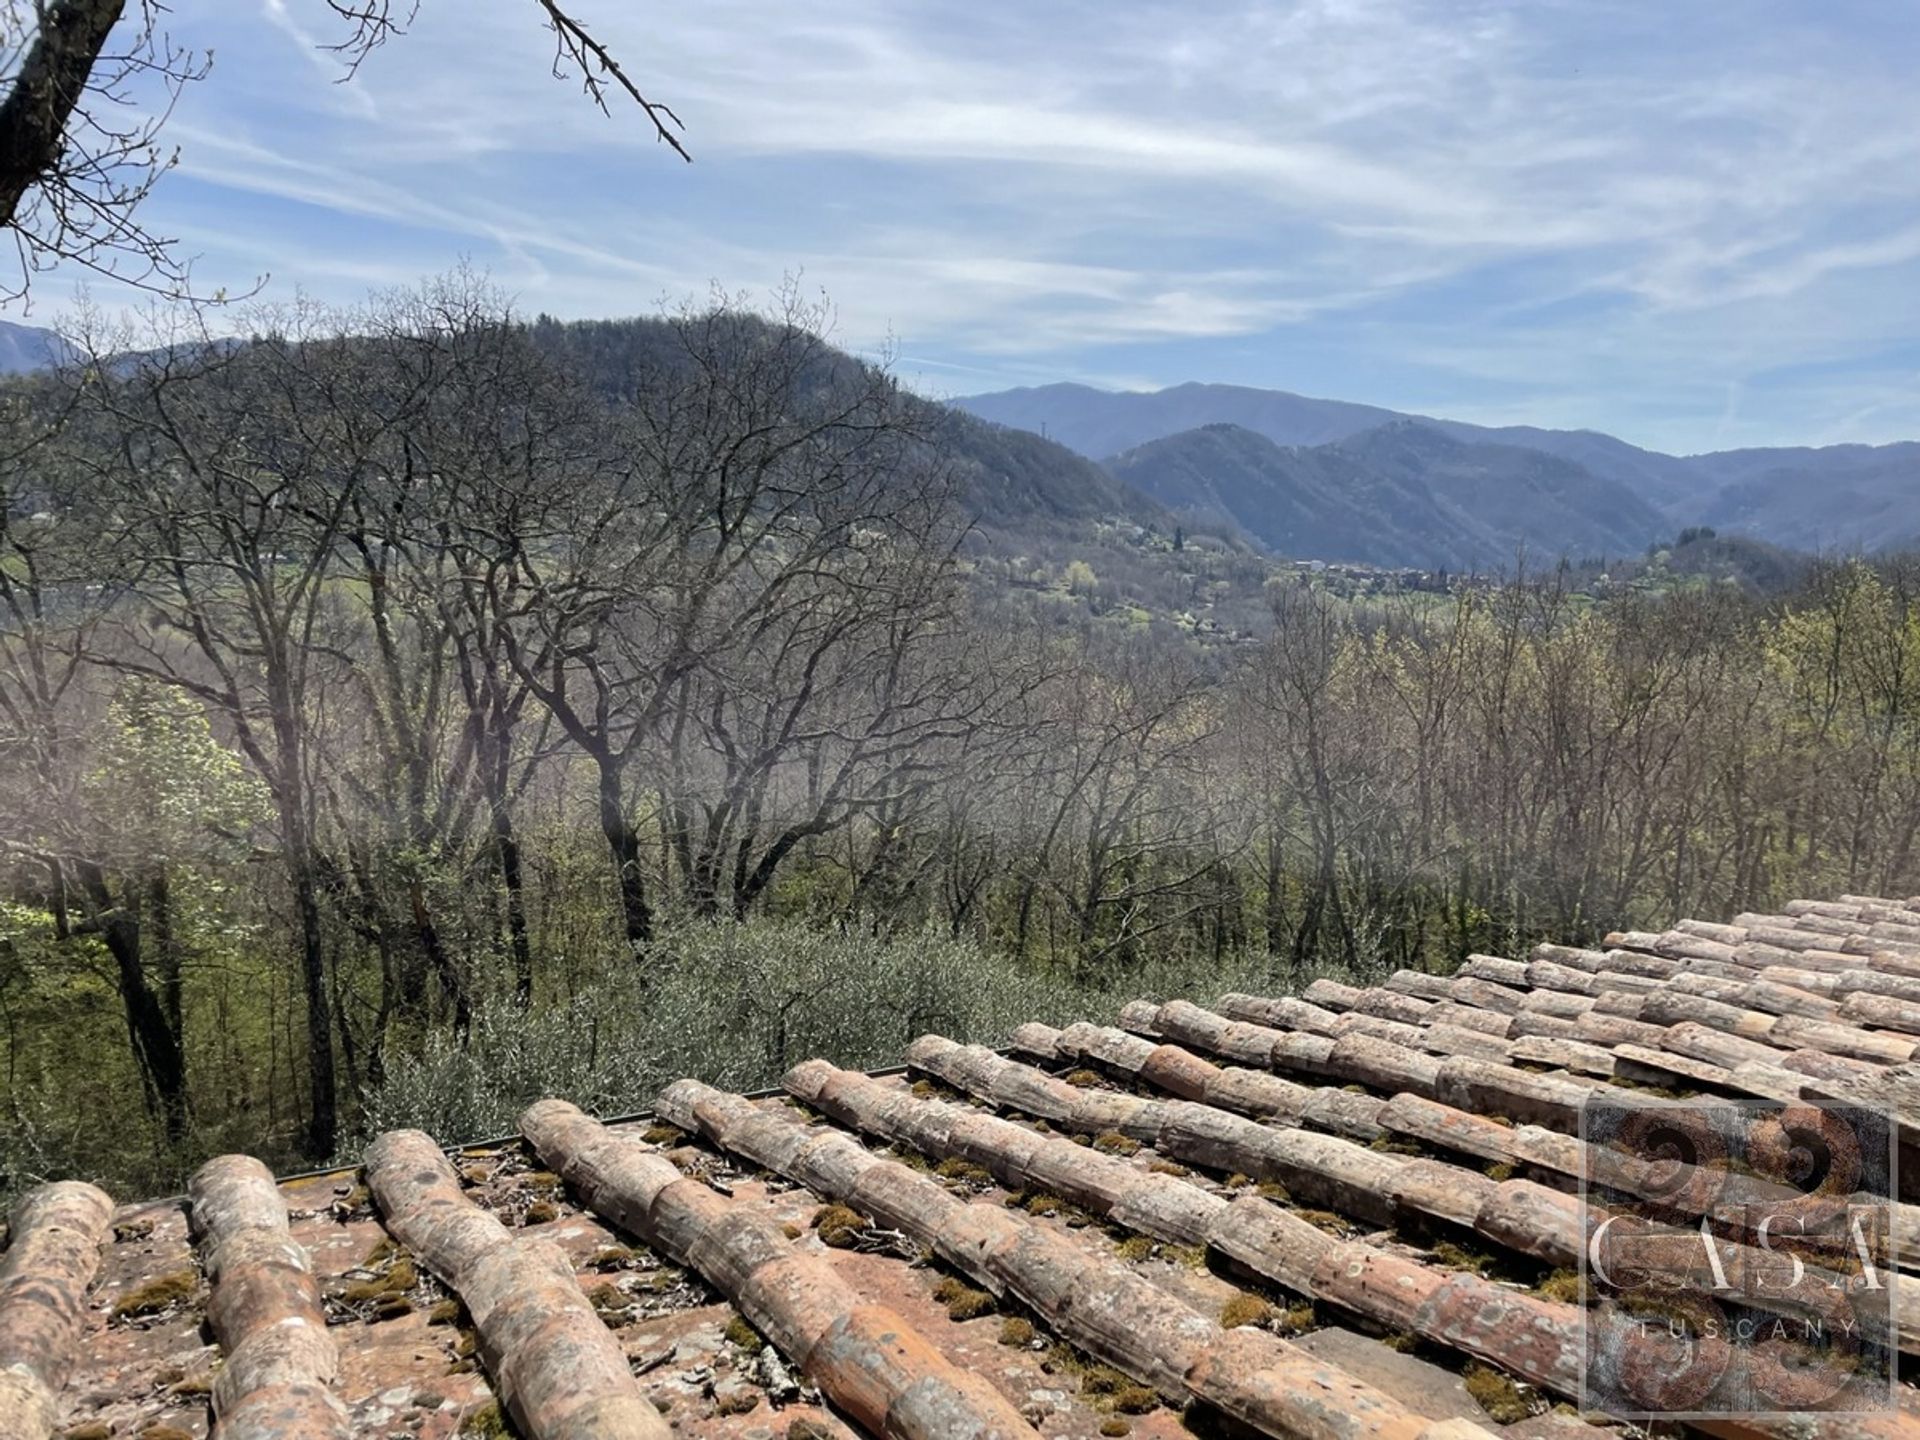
1837	497
1011	478
27	347
1598	489
1400	494
1665	481
1841	497
1098	423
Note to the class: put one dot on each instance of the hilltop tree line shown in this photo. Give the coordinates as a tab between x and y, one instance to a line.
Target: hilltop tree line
408	670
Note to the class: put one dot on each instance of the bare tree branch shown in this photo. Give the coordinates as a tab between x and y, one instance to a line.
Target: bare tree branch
80	124
79	141
572	43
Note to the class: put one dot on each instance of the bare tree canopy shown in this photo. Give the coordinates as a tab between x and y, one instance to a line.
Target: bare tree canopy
415	708
89	85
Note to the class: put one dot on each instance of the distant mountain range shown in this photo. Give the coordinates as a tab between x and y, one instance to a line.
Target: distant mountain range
1341	481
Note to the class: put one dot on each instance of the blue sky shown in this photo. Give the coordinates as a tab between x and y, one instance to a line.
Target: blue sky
1695	225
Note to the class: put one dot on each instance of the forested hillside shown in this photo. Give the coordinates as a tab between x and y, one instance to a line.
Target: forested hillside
1402	494
410	711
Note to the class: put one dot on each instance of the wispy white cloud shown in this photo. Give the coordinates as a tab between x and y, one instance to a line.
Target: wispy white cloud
1608	215
319	53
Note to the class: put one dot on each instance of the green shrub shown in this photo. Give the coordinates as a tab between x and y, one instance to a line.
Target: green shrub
737	1005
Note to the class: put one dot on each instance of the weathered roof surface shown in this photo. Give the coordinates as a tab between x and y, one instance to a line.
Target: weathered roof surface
1066	1237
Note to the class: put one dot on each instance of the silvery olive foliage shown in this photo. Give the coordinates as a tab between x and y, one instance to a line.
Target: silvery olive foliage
736	1005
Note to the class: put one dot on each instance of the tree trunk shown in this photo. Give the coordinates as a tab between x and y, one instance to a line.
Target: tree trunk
623	843
33	120
1274	908
57	899
452	982
506	854
323	1119
156	1044
166	955
1023	922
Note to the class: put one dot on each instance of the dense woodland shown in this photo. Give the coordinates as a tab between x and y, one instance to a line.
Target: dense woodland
410	710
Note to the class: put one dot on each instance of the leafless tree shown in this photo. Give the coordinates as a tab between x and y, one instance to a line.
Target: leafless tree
48	614
738	596
232	486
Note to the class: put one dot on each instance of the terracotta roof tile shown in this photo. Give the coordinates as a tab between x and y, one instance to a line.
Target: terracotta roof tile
1305	1213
